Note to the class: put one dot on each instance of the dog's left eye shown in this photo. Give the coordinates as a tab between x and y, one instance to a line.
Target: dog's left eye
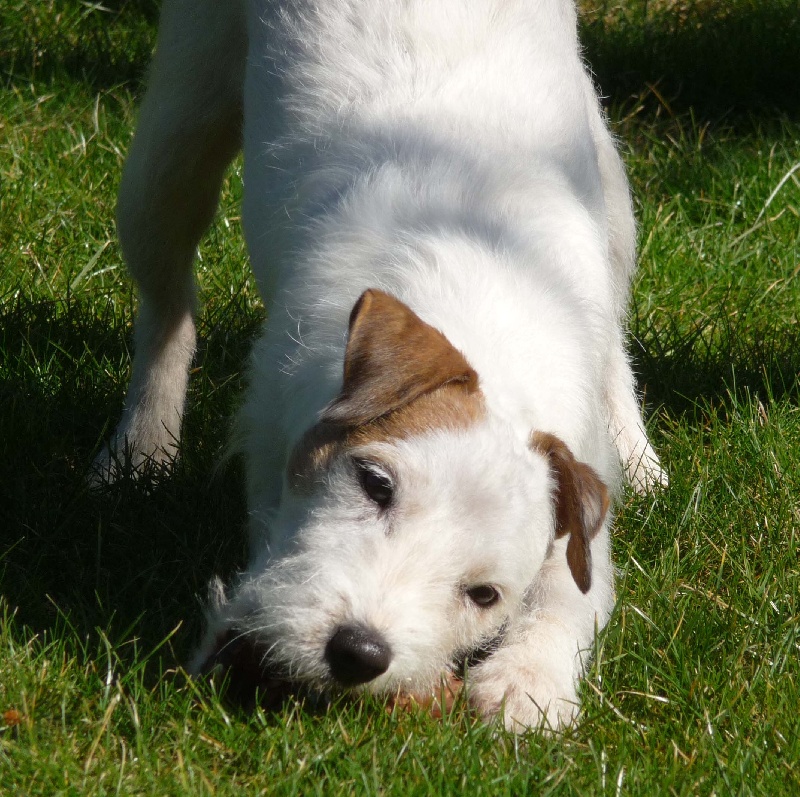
377	485
484	595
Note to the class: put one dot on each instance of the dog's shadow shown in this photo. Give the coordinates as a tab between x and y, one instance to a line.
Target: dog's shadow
133	558
714	58
681	372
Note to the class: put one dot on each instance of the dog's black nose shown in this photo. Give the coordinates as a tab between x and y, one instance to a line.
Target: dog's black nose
357	654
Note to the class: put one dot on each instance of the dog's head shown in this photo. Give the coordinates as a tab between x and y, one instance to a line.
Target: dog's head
416	523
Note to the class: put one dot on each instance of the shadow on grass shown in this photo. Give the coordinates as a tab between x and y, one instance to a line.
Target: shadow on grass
135	555
715	56
681	370
98	44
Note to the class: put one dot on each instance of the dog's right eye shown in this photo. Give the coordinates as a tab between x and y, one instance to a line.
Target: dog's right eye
377	485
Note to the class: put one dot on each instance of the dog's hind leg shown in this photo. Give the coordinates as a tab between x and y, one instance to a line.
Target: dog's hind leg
638	457
189	130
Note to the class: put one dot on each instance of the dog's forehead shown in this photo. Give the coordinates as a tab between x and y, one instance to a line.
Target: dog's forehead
479	462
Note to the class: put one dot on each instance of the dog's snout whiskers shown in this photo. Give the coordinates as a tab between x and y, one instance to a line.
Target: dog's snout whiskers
244	663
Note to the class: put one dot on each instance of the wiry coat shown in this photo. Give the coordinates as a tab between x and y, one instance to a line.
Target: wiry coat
448	158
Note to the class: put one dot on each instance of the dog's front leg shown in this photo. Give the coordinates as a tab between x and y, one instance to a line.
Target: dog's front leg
532	680
189	130
641	463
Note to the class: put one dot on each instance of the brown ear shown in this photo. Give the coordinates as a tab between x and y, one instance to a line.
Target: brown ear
392	357
581	504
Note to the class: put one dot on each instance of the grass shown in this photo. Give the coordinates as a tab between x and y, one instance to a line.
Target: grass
696	684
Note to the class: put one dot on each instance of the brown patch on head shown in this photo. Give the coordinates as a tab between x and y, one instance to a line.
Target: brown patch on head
447	407
402	378
581	504
392	358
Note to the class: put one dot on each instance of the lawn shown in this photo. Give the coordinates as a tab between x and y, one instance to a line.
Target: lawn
695	688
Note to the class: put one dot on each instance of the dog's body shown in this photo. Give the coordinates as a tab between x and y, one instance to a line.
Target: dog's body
441	398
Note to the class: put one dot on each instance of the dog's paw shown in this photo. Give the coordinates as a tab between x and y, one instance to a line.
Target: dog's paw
123	458
648	478
645	473
525	694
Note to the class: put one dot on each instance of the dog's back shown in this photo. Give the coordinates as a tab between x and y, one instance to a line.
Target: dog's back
441	151
489	95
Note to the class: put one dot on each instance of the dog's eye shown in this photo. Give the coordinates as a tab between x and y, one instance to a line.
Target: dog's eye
376	484
484	595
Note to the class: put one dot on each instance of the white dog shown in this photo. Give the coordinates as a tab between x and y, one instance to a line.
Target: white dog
441	398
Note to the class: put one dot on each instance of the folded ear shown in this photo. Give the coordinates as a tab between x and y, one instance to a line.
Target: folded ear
392	357
581	504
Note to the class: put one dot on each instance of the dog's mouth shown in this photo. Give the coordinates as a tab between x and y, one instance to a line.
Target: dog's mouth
250	679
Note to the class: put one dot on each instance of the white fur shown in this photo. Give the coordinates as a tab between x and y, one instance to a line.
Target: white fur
453	154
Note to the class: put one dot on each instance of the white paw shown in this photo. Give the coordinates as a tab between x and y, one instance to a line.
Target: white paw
528	695
646	474
124	456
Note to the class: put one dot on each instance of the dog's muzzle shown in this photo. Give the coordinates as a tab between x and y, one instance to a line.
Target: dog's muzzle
357	654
